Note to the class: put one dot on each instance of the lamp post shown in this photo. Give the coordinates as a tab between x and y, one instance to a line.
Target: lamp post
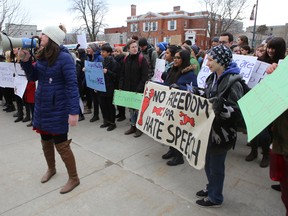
254	17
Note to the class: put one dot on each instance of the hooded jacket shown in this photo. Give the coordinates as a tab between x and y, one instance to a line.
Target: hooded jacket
223	133
57	93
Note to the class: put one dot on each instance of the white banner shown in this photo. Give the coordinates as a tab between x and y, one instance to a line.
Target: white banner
178	119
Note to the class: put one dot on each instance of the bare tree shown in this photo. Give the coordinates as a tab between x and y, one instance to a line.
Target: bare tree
223	14
90	13
11	13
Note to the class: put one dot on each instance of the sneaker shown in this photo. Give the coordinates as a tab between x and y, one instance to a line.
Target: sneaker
202	193
205	202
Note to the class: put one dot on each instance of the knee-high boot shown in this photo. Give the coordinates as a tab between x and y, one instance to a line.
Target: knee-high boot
68	158
49	153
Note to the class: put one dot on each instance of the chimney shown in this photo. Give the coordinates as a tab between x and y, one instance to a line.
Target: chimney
133	10
176	8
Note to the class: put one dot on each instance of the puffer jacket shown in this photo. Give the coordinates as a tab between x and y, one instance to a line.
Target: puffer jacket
223	133
57	93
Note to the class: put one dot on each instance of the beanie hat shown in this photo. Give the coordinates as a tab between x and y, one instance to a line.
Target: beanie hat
215	39
187	47
143	42
221	54
162	45
195	49
93	46
55	34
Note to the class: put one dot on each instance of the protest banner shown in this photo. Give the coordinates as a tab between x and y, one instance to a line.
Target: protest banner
127	99
94	76
178	119
159	69
266	101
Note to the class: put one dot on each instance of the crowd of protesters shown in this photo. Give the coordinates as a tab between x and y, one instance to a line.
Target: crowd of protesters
129	68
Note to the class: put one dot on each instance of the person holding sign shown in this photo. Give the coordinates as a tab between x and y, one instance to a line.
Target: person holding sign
179	76
134	75
110	67
56	100
223	89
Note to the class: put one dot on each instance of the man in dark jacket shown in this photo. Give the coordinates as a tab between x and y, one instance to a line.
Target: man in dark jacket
133	78
224	89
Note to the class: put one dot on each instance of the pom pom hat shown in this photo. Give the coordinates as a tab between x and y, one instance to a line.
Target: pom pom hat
221	54
55	34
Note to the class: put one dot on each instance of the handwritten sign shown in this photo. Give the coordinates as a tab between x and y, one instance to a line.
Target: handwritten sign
127	99
245	63
94	76
178	119
159	69
258	74
266	101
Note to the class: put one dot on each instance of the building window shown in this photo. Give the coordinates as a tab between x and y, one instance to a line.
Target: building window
134	27
154	26
146	26
172	25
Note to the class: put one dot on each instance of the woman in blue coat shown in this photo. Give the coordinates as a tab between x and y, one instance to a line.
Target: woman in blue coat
56	100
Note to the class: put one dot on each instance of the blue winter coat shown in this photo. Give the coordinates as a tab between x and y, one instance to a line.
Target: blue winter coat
57	93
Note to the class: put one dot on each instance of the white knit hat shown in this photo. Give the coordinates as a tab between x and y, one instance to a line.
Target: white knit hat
55	34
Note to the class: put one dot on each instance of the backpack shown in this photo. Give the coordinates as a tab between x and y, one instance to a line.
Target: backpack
140	59
240	123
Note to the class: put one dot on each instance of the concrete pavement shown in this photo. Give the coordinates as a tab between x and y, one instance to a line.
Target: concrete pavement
122	175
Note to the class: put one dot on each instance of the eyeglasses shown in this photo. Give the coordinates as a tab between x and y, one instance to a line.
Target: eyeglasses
223	42
177	57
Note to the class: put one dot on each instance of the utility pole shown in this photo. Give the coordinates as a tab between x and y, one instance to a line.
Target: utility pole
254	17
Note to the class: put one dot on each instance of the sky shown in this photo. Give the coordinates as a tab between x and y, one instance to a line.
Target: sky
53	12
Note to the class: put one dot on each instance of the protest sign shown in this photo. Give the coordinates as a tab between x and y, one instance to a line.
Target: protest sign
20	83
258	74
178	119
7	72
81	39
266	101
245	63
127	99
159	69
94	76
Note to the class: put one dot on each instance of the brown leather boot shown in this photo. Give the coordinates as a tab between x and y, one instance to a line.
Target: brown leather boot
49	153
132	130
68	158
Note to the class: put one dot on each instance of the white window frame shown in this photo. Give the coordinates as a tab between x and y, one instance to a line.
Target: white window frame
134	27
152	25
170	25
146	26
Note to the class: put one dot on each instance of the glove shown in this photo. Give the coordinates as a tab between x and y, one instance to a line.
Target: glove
174	85
217	104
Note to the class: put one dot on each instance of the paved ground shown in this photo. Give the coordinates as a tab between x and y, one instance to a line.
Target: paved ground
121	175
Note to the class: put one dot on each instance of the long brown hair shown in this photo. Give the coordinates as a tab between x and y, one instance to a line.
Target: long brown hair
49	53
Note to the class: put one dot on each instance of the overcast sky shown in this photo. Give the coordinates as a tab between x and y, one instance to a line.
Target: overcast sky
53	12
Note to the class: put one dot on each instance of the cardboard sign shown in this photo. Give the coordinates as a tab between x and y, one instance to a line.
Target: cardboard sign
94	76
127	99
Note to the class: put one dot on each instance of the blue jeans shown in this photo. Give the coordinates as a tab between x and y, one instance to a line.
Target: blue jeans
133	116
215	172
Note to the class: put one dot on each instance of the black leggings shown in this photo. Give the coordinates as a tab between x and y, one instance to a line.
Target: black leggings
56	138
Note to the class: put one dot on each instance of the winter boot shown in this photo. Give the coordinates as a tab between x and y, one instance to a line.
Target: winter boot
131	130
68	158
265	159
178	159
169	154
49	153
253	154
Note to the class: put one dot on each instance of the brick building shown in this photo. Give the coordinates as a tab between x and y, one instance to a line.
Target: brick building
173	27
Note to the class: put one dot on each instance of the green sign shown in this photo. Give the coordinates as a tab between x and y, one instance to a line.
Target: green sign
127	99
266	101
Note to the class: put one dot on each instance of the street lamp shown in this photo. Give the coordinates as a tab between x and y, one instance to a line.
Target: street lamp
254	17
